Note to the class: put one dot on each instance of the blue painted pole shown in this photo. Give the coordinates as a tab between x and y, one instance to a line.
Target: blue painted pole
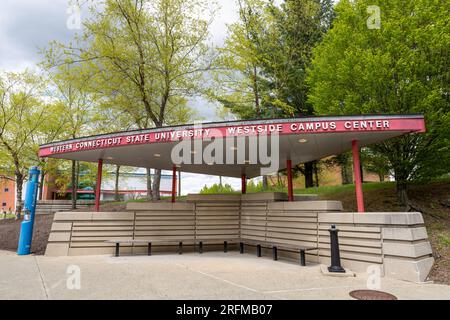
26	228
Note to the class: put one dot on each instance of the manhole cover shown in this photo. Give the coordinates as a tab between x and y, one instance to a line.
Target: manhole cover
372	295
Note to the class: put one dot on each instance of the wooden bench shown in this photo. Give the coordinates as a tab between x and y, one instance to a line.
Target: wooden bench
179	241
149	242
258	244
214	241
275	247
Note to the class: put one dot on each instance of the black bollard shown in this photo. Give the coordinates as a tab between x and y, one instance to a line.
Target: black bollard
335	255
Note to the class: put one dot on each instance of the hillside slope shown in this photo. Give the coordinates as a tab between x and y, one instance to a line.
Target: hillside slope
432	199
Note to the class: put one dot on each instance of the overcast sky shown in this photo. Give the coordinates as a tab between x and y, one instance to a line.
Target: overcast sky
27	25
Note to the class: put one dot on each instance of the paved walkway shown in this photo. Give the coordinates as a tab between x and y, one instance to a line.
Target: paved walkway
189	276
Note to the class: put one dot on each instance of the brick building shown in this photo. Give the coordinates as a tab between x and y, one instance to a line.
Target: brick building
7	194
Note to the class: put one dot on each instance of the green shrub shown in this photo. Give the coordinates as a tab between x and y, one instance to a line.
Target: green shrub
217	188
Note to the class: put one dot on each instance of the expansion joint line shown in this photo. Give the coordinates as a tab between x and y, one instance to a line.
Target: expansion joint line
42	278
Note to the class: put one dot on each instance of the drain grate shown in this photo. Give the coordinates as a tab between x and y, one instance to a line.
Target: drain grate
372	295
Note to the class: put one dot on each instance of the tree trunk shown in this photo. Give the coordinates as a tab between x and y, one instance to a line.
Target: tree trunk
402	194
316	173
74	185
149	184
265	183
19	187
41	185
381	176
345	176
156	184
361	172
309	183
116	186
401	178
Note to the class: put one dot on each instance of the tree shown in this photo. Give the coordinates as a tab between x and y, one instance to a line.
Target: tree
50	130
239	85
265	57
399	68
85	173
253	74
298	27
343	161
150	53
22	112
69	92
375	162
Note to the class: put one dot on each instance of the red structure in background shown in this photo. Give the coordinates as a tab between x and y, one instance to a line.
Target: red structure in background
289	176
174	183
244	184
357	175
98	186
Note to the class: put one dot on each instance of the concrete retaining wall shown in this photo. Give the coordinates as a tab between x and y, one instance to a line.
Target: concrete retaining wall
395	242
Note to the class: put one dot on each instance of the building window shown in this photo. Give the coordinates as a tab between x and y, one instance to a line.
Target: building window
6	189
4	204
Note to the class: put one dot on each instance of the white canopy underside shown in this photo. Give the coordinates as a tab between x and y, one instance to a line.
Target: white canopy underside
158	155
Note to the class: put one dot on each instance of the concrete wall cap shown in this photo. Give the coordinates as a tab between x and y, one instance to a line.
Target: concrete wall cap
213	197
265	196
335	217
389	218
314	205
72	216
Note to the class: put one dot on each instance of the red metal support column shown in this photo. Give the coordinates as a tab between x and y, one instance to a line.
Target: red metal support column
174	183
289	177
244	184
98	186
357	174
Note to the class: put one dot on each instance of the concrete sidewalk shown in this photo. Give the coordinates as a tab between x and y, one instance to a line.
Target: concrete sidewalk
188	276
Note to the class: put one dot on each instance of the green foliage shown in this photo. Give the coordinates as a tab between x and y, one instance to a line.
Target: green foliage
375	162
238	83
263	63
298	27
145	57
444	240
22	119
143	60
401	68
253	187
86	175
217	189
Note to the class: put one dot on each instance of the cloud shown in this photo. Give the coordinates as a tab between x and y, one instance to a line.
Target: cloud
29	25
